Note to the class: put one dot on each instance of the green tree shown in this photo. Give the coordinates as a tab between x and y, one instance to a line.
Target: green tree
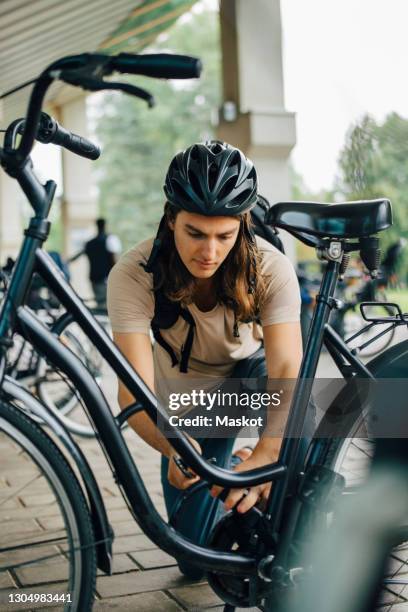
373	164
138	143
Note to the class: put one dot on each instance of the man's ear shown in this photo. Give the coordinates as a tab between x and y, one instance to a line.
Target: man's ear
171	224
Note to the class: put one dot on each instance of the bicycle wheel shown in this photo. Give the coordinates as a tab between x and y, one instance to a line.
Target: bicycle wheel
52	386
351	454
47	544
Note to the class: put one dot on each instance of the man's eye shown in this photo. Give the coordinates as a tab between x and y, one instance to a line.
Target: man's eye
195	235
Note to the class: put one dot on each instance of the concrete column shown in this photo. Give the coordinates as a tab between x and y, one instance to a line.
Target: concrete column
79	206
11	227
253	85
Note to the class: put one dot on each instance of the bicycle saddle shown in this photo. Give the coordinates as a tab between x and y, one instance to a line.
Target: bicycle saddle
345	220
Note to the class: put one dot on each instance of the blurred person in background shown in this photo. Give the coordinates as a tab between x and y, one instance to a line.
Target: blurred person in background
102	252
392	260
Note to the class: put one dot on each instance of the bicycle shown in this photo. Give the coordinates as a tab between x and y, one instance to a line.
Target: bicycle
250	560
49	385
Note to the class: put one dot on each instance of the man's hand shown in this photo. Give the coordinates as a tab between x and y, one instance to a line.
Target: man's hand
248	497
175	476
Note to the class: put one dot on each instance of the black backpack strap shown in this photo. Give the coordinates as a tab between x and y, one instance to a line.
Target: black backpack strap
261	229
160	340
166	312
186	348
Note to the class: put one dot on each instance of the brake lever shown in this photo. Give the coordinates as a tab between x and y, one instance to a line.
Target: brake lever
132	90
183	467
90	83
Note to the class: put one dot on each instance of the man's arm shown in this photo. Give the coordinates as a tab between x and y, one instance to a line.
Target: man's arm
283	353
137	348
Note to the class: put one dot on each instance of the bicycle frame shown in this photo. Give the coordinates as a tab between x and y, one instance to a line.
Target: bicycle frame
15	316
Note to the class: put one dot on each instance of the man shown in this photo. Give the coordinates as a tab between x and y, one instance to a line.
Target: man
230	308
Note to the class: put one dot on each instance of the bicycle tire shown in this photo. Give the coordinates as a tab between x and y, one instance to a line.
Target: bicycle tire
50	466
393	363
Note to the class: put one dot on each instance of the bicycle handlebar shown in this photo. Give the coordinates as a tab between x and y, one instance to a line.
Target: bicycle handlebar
86	70
158	65
51	132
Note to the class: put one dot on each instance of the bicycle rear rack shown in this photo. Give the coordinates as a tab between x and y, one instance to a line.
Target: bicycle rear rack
396	320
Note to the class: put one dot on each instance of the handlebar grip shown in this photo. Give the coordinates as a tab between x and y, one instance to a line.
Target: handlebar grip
76	144
49	131
158	65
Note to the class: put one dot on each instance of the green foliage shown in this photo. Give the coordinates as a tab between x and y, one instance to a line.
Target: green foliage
138	143
373	164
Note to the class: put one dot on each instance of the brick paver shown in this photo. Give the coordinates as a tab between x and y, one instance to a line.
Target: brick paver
145	602
150	559
198	594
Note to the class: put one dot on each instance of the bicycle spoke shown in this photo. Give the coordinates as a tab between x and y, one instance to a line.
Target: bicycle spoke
34	543
353	463
24	486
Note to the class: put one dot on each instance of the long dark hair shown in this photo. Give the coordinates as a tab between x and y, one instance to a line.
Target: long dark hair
238	282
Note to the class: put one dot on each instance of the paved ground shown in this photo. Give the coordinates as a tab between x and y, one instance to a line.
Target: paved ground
145	579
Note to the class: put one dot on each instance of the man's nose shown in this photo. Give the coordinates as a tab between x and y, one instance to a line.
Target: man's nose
209	250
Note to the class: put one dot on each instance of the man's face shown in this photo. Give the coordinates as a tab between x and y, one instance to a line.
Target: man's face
202	242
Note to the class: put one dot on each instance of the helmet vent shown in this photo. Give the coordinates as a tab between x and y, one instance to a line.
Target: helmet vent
216	148
194	153
178	190
195	184
242	197
234	159
227	188
212	175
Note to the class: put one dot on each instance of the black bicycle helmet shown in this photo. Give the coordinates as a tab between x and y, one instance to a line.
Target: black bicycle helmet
213	179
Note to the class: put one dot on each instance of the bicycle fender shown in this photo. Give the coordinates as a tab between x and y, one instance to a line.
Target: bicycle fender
103	531
391	363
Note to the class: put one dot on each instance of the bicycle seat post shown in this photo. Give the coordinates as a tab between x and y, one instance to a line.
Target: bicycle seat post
333	253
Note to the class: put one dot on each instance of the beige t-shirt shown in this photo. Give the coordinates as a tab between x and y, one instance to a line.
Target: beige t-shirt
215	350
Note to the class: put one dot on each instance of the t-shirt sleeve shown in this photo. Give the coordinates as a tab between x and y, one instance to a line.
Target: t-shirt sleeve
130	298
282	301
